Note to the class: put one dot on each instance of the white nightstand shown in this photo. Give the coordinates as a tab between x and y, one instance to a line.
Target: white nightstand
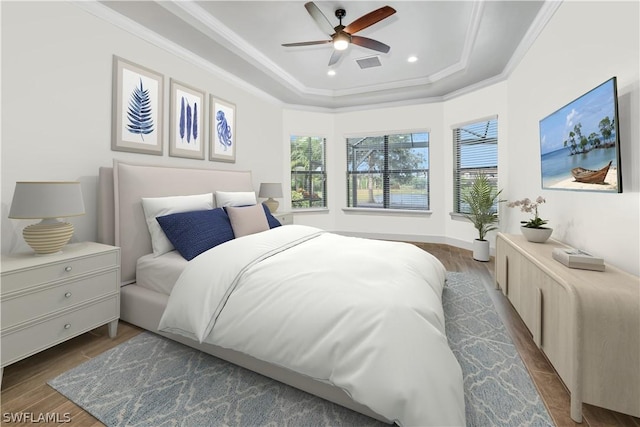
285	218
46	300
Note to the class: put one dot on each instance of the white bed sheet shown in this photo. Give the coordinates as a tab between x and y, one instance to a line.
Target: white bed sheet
160	273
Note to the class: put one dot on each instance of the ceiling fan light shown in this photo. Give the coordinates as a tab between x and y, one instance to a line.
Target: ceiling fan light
340	42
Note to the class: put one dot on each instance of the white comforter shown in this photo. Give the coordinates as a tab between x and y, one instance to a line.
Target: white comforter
363	315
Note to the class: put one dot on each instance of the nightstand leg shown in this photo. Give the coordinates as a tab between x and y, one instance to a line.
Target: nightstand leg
113	328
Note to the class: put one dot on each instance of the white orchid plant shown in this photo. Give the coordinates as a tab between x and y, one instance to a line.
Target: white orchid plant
526	205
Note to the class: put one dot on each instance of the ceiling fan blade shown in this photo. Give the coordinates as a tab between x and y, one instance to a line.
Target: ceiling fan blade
307	43
370	43
335	56
369	19
319	17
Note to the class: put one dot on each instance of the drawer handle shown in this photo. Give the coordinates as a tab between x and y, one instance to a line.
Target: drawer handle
67	326
68	268
67	295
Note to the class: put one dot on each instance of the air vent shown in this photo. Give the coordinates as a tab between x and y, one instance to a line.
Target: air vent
369	62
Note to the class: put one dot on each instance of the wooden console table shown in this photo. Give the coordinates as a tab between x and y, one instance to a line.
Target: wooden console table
586	322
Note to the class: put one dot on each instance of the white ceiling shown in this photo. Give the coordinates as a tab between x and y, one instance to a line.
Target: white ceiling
460	45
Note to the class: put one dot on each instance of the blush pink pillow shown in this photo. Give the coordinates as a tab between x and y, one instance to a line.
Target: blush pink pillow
247	220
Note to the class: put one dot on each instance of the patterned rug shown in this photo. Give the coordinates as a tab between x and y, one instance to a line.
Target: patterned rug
498	390
153	381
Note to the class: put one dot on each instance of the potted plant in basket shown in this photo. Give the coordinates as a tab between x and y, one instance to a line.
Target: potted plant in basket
533	229
482	197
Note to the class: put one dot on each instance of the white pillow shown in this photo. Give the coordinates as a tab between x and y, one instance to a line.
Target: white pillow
235	198
160	206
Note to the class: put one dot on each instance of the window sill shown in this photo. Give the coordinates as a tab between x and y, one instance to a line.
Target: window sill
378	211
458	216
309	210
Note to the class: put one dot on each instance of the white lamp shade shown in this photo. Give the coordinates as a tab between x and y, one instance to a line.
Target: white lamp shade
43	200
270	189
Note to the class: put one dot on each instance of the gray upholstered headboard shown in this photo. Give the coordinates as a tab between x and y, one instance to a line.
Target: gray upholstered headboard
121	219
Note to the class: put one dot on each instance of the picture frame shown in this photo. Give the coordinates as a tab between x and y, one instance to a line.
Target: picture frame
137	108
222	130
580	143
186	124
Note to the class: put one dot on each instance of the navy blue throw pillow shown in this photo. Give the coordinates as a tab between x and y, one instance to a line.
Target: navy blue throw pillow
195	232
272	220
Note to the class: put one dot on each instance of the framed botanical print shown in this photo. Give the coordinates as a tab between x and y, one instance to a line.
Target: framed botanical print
222	134
186	130
137	108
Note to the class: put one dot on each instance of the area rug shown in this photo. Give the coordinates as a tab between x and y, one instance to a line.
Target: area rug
152	381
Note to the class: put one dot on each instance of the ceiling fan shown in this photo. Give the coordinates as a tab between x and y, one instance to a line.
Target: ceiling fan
342	36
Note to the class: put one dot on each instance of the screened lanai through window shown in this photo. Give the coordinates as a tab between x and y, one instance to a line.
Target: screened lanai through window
388	171
475	151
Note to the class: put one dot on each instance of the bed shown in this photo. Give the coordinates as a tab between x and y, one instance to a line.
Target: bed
390	364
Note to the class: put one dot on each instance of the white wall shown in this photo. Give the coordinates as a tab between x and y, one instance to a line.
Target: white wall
56	106
583	45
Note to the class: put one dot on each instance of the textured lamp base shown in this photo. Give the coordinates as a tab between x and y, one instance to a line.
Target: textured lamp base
272	204
47	238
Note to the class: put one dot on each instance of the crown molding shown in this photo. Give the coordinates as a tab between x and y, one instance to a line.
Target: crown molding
111	16
195	15
543	17
470	40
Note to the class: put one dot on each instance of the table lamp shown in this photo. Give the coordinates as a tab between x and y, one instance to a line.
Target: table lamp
271	190
47	201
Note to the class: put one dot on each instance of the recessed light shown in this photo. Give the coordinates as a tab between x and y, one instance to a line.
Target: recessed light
331	72
412	59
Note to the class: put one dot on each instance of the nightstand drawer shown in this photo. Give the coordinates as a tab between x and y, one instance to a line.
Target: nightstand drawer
29	305
64	269
285	218
23	342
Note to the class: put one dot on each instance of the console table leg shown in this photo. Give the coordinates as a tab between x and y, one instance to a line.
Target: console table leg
576	410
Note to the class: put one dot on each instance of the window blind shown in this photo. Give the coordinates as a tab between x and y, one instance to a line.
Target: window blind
475	151
388	171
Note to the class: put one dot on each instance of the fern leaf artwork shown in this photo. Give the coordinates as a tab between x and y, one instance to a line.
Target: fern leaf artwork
139	112
224	130
195	121
188	123
181	124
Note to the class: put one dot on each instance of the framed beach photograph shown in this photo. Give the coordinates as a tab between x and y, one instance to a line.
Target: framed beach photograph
222	130
580	144
185	121
136	108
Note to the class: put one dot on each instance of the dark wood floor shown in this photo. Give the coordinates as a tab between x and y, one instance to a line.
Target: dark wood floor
25	389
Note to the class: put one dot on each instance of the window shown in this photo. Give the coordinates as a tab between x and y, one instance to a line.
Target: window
308	176
388	171
475	150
